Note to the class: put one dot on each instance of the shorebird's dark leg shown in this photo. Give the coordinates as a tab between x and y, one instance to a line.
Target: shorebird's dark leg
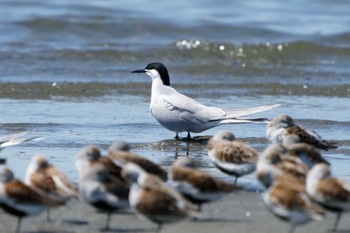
19	223
235	183
159	228
108	220
48	217
177	136
292	229
335	226
188	135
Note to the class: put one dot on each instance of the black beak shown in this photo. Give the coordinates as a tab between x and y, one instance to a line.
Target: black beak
139	71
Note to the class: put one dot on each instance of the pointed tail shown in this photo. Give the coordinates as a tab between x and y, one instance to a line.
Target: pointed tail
238	113
243	121
233	116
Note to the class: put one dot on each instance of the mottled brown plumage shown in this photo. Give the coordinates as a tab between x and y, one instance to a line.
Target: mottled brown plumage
282	127
200	180
20	199
157	204
110	166
152	199
230	156
293	166
235	152
333	189
106	192
122	157
46	178
330	192
22	193
305	137
288	200
90	156
308	153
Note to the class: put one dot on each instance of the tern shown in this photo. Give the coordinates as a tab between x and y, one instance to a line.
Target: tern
180	113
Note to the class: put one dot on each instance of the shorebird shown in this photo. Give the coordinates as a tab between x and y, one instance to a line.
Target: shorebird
153	200
100	182
230	156
275	160
91	156
15	139
283	125
19	199
103	191
287	199
47	179
330	192
197	186
120	153
180	113
307	153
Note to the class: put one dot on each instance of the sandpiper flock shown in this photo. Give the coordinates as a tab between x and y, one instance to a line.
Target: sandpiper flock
297	180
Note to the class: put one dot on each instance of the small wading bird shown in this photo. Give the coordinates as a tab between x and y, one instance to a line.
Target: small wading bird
153	200
19	199
15	139
230	156
330	192
180	113
287	199
196	185
48	180
103	191
283	126
100	182
120	153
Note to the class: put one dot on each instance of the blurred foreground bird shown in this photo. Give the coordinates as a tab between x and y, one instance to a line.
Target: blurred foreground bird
197	186
287	199
120	153
330	192
47	179
15	139
153	200
283	126
100	182
19	199
275	160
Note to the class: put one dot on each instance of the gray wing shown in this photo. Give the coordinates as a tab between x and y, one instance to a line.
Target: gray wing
189	108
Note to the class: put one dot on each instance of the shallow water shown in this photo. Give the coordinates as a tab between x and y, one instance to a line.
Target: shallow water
65	72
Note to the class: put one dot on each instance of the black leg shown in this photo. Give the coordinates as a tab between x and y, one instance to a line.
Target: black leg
335	226
177	136
19	223
188	135
159	228
108	220
235	183
292	229
48	217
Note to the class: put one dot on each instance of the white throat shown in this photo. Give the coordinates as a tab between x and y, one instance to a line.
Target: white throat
157	85
153	74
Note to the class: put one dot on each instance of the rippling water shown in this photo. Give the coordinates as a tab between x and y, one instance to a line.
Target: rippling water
65	72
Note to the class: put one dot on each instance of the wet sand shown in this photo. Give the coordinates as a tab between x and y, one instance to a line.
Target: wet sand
241	211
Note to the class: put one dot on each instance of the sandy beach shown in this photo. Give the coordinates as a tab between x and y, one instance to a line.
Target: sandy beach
238	212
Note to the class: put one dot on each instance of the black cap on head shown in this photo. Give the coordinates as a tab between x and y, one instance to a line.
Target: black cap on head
163	72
